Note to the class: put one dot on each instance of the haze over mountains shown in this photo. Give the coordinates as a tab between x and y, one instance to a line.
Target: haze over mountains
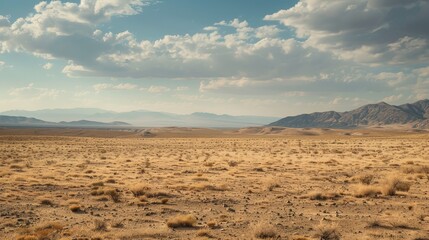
34	122
144	118
414	115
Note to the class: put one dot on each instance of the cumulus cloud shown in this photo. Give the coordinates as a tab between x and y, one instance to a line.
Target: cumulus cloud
223	83
367	31
48	66
108	86
157	89
70	31
234	56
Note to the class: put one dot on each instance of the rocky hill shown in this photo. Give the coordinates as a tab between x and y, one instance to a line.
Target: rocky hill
415	115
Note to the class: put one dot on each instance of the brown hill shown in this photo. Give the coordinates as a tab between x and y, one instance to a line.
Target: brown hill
415	115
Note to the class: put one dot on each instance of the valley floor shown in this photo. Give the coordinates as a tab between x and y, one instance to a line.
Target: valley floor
249	187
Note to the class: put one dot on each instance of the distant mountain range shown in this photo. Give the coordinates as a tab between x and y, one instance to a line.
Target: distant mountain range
144	118
415	115
34	122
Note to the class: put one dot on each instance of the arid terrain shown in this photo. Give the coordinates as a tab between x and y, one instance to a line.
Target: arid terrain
175	183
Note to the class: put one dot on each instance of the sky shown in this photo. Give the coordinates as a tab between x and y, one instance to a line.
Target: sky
240	57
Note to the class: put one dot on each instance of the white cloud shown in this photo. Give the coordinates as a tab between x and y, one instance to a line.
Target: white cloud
157	89
393	99
367	31
210	28
223	83
48	66
267	32
35	93
233	55
107	86
70	31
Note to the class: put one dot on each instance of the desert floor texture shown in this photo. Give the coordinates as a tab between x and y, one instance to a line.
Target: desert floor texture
256	183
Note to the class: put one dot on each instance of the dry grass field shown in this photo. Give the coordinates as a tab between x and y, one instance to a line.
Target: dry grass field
246	184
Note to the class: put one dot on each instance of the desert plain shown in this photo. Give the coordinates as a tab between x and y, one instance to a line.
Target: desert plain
176	183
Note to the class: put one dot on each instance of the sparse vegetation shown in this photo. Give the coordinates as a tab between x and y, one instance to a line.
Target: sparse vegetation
182	221
393	184
291	180
264	231
362	190
328	232
100	225
322	196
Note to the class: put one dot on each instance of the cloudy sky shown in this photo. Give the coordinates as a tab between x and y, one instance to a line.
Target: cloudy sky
257	57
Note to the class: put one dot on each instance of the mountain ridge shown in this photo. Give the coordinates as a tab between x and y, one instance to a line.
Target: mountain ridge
144	118
379	114
19	121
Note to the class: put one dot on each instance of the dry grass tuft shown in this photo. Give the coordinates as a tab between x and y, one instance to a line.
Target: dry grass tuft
414	169
366	179
45	201
272	184
204	233
322	196
113	194
44	231
362	190
182	221
100	225
140	189
393	184
328	232
264	231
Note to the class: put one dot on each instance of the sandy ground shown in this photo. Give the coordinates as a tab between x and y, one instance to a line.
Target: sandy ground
251	183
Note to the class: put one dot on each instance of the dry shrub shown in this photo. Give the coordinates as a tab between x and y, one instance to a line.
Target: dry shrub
204	233
365	178
362	190
392	224
118	224
140	189
318	195
45	201
328	232
414	169
272	184
44	231
377	224
100	225
113	194
264	231
232	163
182	221
393	184
157	194
98	184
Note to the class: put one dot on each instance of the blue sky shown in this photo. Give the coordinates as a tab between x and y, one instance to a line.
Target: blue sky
257	57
